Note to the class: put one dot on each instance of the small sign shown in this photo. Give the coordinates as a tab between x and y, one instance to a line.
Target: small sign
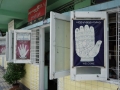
37	13
88	42
23	46
45	21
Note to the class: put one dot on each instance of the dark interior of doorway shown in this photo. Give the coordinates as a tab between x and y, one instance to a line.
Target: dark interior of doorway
113	37
52	84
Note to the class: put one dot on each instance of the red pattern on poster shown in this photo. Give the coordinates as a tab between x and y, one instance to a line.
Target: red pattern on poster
23	49
2	49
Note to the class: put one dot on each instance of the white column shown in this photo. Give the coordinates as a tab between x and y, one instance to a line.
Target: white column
41	58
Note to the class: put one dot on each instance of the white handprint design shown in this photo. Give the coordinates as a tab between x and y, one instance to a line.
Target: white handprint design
85	43
23	51
3	50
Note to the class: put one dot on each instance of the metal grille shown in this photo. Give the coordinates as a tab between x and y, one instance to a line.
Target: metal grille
35	46
66	7
118	53
114	41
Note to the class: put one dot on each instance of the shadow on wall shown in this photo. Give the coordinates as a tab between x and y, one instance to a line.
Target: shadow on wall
23	87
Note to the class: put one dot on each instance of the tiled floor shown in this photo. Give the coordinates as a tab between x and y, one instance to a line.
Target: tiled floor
3	84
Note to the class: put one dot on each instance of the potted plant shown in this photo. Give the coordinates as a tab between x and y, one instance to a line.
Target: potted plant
14	73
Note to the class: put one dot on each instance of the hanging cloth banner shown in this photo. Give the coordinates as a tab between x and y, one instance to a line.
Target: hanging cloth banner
88	42
23	46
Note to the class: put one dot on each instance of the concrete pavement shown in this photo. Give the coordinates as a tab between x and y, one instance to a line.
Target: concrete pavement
3	85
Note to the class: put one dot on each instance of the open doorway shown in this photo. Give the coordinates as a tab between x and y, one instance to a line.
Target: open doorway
52	84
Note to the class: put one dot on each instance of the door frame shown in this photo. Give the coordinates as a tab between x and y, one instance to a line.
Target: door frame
42	60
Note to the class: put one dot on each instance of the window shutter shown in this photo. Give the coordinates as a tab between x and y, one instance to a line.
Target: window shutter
59	45
7	46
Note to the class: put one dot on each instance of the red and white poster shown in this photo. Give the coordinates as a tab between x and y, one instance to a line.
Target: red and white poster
23	46
2	47
37	11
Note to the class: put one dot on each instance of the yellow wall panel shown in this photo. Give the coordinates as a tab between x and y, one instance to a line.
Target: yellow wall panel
5	63
31	79
114	86
88	87
77	84
67	84
94	82
101	84
100	88
107	85
88	82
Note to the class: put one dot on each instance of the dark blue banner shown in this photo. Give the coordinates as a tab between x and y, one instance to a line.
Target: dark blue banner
88	42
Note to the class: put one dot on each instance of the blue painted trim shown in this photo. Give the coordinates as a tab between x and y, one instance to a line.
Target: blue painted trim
102	6
38	24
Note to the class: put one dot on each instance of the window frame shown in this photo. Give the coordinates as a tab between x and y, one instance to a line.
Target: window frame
7	46
15	39
11	34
